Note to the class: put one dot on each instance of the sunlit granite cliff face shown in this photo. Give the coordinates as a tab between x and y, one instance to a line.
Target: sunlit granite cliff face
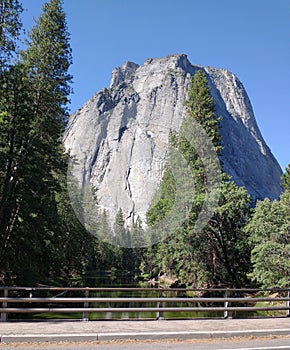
119	138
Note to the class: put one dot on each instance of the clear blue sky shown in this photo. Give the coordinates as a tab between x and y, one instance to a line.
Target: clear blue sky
251	38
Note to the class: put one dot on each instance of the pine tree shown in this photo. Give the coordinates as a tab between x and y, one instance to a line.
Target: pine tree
286	179
165	200
228	248
210	254
10	29
269	236
200	107
33	118
15	125
47	60
223	243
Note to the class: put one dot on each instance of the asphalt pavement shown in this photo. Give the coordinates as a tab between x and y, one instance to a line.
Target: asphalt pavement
78	330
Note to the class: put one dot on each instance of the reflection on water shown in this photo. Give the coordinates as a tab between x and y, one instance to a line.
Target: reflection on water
111	278
127	281
114	278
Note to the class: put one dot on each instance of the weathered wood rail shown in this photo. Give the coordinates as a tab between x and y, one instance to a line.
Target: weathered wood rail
23	300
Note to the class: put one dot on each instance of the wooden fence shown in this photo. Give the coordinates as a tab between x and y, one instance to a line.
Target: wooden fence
24	300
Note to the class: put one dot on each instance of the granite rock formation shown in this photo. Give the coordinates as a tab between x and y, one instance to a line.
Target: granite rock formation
119	138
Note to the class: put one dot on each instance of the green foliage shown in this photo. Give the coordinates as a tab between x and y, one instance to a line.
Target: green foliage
125	238
40	239
200	107
48	58
10	28
229	247
270	238
164	202
138	237
219	253
286	179
15	127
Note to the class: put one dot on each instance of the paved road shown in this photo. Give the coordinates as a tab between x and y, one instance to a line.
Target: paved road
142	330
264	343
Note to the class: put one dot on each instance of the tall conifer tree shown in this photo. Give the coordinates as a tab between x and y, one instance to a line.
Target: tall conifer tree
286	179
38	229
209	255
47	60
10	28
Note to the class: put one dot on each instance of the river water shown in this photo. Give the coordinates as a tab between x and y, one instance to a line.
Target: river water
122	279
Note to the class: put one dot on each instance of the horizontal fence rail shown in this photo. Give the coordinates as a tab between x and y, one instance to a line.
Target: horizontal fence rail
231	301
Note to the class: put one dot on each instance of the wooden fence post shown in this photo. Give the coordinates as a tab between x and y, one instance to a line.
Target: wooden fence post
4	305
159	315
288	304
226	304
86	304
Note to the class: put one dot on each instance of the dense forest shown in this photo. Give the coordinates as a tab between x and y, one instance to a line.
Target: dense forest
41	240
